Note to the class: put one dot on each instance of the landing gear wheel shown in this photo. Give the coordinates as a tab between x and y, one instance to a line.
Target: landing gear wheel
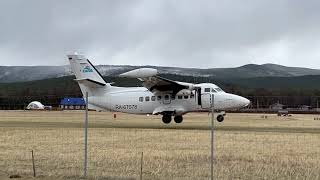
178	119
220	118
166	119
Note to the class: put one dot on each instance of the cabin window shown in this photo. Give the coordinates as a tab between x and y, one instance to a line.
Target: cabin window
159	98
179	97
141	99
147	98
207	89
153	98
173	97
166	97
186	97
191	96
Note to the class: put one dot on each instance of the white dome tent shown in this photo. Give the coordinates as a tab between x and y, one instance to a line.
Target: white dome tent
35	105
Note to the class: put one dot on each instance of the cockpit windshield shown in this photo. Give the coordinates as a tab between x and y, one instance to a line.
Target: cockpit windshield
212	88
218	89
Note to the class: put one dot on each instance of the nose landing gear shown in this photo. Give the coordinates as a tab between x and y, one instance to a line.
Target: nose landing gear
220	118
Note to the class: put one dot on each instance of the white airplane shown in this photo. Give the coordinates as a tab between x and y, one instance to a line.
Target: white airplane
158	96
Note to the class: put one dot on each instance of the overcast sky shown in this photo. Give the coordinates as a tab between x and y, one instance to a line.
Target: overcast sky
205	34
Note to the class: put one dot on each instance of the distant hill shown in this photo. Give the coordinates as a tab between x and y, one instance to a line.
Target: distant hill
296	82
31	73
265	70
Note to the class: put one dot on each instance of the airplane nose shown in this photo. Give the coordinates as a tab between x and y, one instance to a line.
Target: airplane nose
242	101
238	102
245	101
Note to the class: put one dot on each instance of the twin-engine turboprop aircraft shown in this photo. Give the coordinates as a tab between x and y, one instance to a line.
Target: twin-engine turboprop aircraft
158	96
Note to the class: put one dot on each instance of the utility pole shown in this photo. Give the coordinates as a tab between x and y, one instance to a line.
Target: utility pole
86	139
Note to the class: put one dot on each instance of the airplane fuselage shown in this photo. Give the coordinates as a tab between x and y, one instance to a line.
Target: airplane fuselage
139	100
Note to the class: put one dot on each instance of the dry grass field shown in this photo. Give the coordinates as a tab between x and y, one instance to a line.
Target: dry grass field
247	146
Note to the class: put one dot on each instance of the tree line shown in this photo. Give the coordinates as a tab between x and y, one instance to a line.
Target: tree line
51	91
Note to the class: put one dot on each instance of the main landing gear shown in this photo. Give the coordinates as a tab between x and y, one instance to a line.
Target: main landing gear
166	118
178	119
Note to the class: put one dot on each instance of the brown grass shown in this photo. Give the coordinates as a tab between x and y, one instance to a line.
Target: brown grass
246	146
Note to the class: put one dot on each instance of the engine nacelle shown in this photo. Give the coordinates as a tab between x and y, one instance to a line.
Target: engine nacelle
184	92
191	87
140	73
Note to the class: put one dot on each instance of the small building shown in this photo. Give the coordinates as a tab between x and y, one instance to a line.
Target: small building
48	107
283	113
305	108
72	103
277	106
35	105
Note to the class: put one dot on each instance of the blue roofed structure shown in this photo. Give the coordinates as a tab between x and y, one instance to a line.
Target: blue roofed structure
72	103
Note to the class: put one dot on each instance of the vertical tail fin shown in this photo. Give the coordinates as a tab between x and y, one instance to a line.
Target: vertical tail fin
89	79
83	69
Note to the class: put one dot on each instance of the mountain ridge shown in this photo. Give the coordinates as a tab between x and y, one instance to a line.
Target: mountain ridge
10	74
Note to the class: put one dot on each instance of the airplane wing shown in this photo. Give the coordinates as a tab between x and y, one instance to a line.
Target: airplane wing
160	84
157	84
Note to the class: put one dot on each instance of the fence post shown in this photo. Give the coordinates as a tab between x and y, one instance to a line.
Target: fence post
141	165
33	166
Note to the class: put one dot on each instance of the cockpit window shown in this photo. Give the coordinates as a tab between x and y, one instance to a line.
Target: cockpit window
206	89
218	89
212	90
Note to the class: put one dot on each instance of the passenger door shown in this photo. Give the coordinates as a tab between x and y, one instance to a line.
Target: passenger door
206	97
206	100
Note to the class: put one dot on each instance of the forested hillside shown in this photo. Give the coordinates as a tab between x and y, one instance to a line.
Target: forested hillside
266	90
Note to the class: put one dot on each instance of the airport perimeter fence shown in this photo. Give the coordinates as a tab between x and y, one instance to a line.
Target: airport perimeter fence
246	146
257	102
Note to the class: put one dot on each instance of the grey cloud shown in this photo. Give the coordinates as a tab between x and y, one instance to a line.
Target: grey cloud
169	33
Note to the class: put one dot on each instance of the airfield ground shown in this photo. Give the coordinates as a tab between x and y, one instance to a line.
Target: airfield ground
247	146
